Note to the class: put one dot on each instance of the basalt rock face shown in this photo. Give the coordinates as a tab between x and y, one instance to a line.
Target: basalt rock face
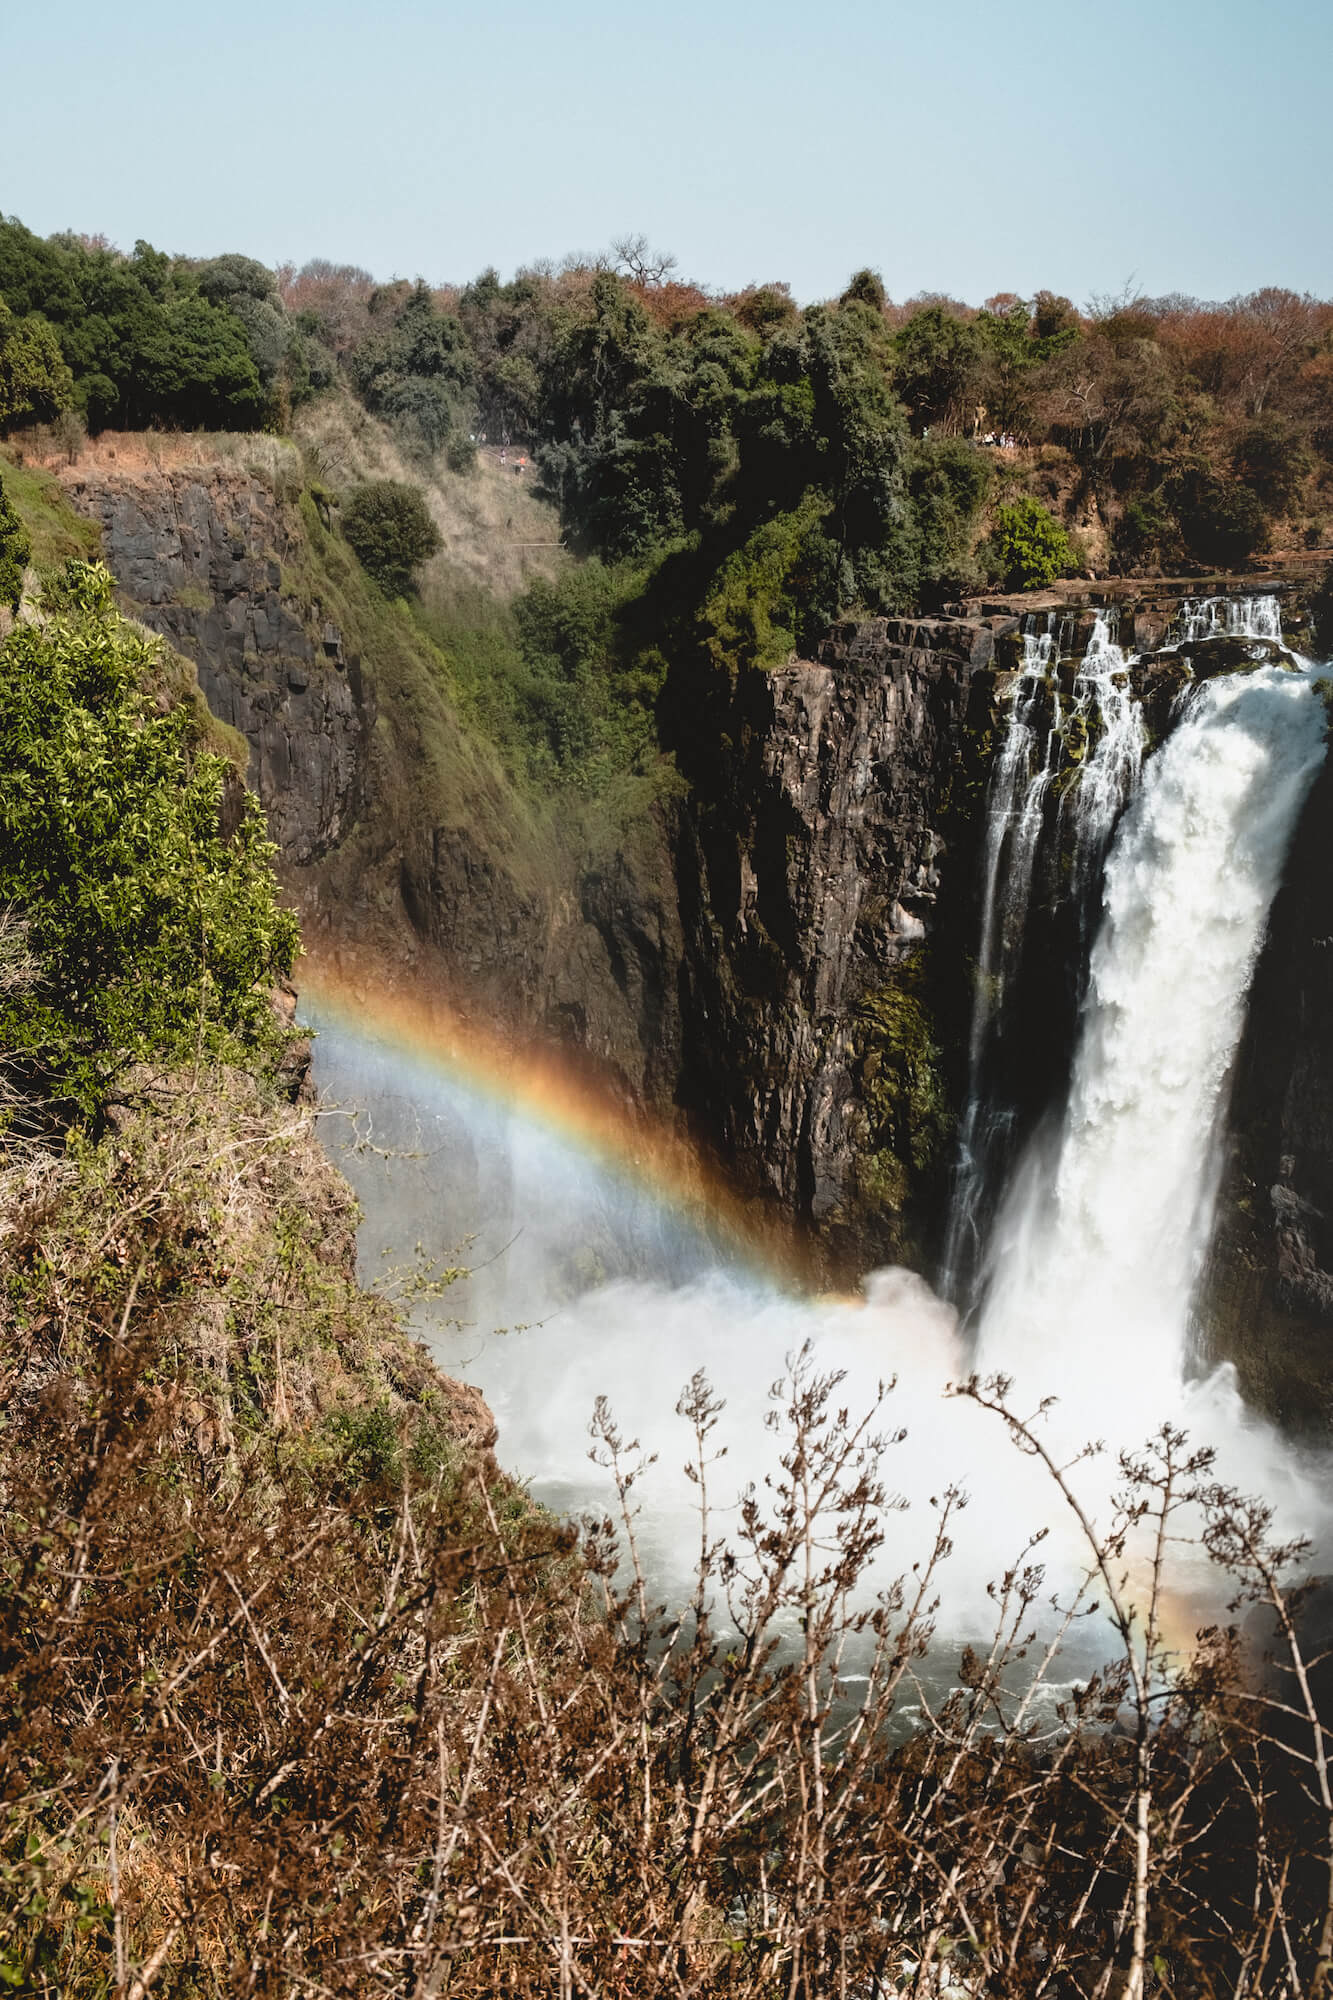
812	870
198	554
1269	1291
399	845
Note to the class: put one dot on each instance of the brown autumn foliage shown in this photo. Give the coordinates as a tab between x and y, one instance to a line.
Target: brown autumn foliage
299	1696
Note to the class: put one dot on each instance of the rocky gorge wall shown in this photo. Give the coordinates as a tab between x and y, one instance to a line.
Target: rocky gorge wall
198	553
1268	1304
821	867
403	848
783	962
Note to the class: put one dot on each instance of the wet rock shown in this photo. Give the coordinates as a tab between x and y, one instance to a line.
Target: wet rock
811	860
1269	1289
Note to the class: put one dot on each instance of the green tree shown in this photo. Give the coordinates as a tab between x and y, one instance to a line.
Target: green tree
141	342
949	481
1220	521
390	530
34	379
938	357
1273	460
418	370
15	550
155	935
1030	547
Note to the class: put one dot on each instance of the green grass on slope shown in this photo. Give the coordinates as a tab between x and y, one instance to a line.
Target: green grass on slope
54	529
433	767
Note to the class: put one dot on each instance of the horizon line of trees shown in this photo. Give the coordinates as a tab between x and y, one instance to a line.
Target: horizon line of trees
744	470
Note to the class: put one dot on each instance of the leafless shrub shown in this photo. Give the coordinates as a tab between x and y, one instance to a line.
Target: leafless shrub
397	1734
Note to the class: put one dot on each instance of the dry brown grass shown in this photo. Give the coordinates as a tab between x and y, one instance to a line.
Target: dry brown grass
496	533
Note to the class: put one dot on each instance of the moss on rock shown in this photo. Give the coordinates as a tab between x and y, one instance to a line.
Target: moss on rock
899	1074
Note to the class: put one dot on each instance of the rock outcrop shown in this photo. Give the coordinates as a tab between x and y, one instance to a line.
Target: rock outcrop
811	865
401	846
198	553
1269	1301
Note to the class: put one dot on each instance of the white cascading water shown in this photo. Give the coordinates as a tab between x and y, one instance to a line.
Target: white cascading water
1105	715
1105	705
1015	810
1227	618
1100	1242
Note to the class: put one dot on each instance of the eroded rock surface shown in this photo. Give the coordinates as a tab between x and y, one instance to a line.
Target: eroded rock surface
198	553
1270	1292
812	863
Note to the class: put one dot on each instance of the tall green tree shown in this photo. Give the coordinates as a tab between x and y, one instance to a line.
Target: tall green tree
34	378
390	529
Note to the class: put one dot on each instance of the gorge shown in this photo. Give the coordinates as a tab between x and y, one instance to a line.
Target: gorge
851	962
833	1057
1090	1214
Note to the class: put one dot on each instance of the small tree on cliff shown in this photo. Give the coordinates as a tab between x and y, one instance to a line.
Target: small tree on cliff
391	532
155	934
1029	547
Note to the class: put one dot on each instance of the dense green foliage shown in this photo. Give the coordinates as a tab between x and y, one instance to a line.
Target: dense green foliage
154	933
389	526
34	380
15	549
1031	548
140	339
414	367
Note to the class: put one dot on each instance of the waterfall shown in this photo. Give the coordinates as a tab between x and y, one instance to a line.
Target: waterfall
1111	723
1090	759
1102	1236
1227	618
1100	736
1015	807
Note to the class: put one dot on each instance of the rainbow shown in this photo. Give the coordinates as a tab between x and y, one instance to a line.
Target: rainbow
546	1086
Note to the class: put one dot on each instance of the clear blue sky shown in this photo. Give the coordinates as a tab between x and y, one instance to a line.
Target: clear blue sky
965	146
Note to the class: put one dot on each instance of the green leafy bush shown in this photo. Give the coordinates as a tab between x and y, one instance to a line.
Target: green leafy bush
1029	547
15	550
1146	532
390	529
778	590
154	935
949	481
34	381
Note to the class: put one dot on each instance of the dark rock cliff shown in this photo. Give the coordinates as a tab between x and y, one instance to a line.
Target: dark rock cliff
399	843
198	553
822	828
1269	1297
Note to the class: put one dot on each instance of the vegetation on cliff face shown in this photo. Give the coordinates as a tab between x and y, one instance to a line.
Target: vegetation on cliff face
899	1074
154	927
390	528
15	548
